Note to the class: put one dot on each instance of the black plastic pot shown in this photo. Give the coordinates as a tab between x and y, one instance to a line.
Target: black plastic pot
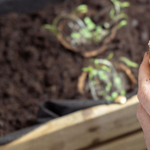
23	6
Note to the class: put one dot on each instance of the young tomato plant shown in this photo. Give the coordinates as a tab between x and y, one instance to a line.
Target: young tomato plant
104	81
84	31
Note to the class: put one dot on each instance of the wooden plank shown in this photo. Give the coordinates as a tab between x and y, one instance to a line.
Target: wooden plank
82	128
130	142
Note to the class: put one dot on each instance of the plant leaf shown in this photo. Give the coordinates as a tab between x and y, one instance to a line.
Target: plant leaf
122	23
110	56
82	8
75	35
128	62
112	13
108	87
87	35
51	28
109	98
114	95
123	92
125	4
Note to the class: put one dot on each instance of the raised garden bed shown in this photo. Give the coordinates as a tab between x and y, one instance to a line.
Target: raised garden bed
36	67
102	127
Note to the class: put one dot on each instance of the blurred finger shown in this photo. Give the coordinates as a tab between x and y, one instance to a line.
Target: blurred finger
144	71
144	83
144	120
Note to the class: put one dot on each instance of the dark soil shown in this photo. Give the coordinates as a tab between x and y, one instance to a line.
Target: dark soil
35	67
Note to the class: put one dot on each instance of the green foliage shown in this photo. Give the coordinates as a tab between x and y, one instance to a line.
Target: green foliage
102	75
98	28
51	28
87	35
114	95
123	92
117	81
96	61
118	5
82	8
122	23
88	69
84	30
110	56
105	68
89	23
128	62
108	86
109	98
92	72
75	35
117	13
125	4
112	13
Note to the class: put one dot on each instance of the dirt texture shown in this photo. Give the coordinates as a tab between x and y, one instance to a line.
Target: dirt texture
35	67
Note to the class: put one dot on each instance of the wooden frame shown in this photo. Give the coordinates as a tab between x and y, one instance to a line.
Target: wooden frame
101	127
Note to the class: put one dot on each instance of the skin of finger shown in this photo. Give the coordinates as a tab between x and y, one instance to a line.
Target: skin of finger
144	72
144	120
144	83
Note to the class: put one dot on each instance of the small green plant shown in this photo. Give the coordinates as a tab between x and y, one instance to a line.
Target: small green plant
104	81
82	8
128	62
110	56
97	32
118	5
86	31
51	28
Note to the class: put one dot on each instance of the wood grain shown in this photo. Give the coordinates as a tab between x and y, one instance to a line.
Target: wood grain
130	142
81	129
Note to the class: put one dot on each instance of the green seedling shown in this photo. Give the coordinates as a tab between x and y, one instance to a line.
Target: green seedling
123	92
51	28
88	35
108	87
89	23
105	68
75	35
110	56
109	98
117	81
85	31
118	5
128	62
112	13
82	8
122	23
104	73
125	4
114	95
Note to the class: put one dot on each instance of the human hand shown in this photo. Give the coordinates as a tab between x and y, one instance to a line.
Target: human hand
143	112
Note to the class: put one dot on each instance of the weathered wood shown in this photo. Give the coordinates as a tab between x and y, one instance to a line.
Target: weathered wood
81	129
130	142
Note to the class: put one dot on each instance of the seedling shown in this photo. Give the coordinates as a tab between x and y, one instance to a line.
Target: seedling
85	31
82	8
128	62
104	81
